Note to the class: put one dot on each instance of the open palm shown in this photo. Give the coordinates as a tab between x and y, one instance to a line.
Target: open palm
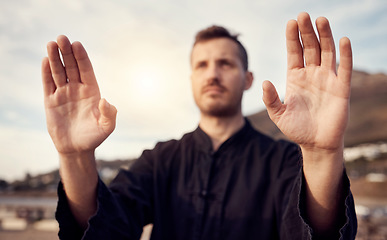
77	119
315	110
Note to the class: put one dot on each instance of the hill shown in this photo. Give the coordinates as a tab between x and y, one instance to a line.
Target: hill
368	111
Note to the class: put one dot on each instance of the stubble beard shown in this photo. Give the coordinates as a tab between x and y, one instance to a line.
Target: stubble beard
219	109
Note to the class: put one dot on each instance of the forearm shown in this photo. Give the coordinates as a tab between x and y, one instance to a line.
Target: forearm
323	171
80	178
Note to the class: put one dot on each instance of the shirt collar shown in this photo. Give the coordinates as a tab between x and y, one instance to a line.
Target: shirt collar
203	141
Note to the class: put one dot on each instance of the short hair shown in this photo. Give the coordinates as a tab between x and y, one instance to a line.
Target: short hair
214	32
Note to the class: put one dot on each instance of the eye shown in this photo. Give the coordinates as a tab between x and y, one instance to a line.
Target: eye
201	65
225	63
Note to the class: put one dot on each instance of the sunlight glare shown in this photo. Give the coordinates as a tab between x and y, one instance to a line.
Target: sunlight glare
145	84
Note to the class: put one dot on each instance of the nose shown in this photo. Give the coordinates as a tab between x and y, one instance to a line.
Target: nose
212	73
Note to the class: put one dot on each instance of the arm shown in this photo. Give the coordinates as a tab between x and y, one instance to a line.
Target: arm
315	113
78	121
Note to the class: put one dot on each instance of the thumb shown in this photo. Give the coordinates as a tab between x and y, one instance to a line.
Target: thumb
272	101
108	116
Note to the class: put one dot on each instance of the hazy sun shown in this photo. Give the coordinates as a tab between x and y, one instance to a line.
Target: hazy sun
145	83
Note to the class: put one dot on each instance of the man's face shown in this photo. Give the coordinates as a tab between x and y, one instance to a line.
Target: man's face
218	78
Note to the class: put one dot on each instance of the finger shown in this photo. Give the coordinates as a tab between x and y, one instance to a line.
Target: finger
71	66
108	116
48	81
345	67
272	101
293	46
57	69
85	68
309	40
327	44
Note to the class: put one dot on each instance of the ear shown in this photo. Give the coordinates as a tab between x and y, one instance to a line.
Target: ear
249	80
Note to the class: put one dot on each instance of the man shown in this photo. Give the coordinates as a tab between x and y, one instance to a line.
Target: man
224	180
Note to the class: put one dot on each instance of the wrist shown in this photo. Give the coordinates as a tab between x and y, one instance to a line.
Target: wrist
78	164
324	148
323	166
322	155
73	156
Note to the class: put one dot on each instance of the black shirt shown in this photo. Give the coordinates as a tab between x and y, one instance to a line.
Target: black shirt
249	188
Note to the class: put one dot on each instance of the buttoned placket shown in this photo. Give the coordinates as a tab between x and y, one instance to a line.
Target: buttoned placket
207	162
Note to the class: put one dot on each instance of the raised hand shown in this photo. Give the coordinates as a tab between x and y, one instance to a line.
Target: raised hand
315	110
78	120
315	114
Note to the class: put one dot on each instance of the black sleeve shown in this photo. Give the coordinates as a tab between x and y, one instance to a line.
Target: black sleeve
295	225
290	199
290	224
122	209
68	227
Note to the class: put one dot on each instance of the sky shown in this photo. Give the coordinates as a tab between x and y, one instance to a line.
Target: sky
140	54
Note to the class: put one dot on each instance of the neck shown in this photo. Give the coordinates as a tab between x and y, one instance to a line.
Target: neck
219	129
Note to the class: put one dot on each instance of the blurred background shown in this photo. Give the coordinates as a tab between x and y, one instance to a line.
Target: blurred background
140	53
